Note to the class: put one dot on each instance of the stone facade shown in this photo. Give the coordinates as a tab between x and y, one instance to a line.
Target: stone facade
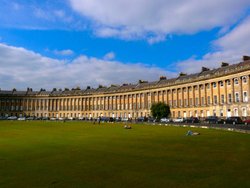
223	92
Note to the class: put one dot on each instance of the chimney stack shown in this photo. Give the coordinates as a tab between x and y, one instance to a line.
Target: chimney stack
204	69
246	58
163	78
223	64
182	74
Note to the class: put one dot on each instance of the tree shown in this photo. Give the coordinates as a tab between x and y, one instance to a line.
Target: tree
160	110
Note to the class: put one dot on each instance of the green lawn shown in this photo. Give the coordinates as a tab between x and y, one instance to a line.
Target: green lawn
79	154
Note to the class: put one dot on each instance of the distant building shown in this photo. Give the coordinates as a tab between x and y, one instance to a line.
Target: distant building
222	92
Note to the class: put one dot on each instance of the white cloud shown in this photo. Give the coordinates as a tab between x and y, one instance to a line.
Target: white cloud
67	52
39	15
229	48
109	56
133	19
21	68
237	38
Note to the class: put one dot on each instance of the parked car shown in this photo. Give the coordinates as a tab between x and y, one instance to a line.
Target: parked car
45	118
246	122
30	118
125	119
150	119
118	119
212	119
192	120
164	120
3	118
178	120
12	118
233	120
21	119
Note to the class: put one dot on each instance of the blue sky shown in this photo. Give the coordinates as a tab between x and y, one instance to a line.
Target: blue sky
70	43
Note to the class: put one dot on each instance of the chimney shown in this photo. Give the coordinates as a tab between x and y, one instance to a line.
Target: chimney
142	81
182	74
246	58
163	78
204	69
223	64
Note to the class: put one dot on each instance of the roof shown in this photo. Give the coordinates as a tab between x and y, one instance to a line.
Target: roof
205	74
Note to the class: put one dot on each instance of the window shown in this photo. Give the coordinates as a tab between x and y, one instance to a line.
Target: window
229	82
237	99
214	85
221	84
221	112
244	112
215	99
174	102
208	86
134	106
190	102
202	100
236	112
196	101
222	99
186	102
180	102
214	112
245	98
244	79
208	100
236	81
230	98
170	103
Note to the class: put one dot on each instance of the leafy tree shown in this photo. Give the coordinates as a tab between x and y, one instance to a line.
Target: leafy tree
160	110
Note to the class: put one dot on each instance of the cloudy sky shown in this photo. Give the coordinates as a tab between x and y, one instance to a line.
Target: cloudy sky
69	43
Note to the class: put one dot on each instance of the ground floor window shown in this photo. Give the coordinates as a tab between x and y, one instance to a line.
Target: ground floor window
236	112
244	112
221	112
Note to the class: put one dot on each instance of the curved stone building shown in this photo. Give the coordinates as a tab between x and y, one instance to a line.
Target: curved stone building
222	92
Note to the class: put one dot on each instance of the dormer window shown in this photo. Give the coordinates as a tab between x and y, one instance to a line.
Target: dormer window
214	84
236	81
244	79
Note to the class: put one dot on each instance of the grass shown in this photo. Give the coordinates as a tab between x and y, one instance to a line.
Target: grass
80	154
